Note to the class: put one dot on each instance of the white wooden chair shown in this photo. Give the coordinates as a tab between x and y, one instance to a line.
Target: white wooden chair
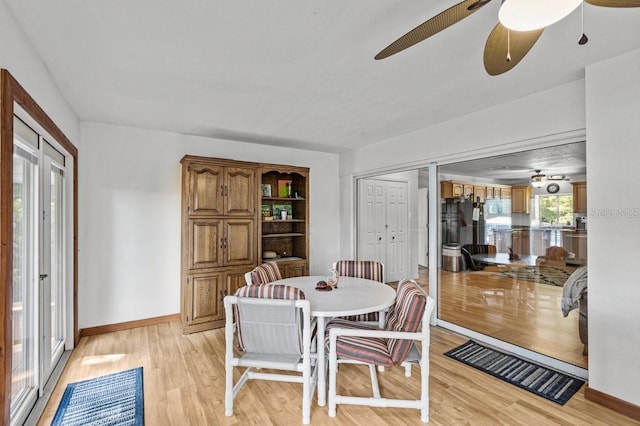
273	330
395	344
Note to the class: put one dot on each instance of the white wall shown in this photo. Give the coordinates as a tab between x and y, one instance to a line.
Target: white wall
613	195
130	216
19	58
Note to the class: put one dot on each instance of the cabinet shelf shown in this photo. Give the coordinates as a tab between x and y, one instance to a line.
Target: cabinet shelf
288	234
288	238
284	198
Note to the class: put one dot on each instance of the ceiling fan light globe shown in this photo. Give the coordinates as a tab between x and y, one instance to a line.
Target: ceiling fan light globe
529	15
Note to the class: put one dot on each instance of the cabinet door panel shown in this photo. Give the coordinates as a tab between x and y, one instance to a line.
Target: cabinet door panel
205	243
235	279
240	246
240	191
206	298
205	190
295	270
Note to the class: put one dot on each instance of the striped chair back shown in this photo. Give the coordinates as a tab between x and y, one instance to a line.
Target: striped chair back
265	273
368	269
269	329
405	315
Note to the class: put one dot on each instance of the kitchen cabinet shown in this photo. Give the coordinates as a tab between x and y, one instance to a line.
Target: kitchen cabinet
579	197
576	242
450	189
520	199
467	190
489	195
479	193
505	193
520	241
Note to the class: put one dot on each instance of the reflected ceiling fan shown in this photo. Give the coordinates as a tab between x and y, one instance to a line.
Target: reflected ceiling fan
514	35
538	180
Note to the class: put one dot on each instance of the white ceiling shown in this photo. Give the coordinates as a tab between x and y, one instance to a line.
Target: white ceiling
296	73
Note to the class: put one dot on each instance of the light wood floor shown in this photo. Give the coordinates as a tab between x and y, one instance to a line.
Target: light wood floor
523	313
184	385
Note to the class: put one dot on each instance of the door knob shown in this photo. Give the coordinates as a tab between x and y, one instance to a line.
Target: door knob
43	276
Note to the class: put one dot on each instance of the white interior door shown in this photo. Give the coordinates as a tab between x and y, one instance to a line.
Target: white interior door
397	218
382	225
366	228
379	222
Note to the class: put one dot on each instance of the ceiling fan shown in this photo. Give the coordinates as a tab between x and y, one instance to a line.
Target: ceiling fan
538	180
505	47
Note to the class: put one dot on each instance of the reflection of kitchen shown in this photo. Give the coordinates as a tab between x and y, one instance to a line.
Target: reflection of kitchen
508	217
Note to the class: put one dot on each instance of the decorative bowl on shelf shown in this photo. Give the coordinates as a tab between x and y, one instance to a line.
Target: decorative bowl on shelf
269	254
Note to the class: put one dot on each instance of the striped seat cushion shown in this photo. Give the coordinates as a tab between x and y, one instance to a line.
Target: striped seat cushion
364	349
266	273
268	291
368	269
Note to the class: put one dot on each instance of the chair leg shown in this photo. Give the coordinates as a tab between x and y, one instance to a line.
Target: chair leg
374	381
333	372
228	392
407	369
306	396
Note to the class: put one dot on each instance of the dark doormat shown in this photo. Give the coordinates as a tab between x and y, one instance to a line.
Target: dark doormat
543	381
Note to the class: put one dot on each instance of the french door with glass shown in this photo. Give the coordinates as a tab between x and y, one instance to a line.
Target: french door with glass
38	310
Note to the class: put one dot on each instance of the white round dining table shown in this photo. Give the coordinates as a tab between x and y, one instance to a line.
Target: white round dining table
353	296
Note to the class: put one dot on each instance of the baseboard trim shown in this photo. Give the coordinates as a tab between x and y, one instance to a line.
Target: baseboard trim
92	331
616	404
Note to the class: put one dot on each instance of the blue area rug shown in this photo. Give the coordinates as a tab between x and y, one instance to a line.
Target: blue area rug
114	399
545	382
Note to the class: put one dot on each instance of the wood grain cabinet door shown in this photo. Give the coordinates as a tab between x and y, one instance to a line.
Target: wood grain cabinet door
205	298
235	279
240	191
239	243
206	244
295	269
206	186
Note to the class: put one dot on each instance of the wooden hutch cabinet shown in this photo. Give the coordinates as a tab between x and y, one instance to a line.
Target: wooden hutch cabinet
284	237
219	236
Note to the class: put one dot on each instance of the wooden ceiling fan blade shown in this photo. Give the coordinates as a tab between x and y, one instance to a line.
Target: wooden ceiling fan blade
503	44
615	3
433	26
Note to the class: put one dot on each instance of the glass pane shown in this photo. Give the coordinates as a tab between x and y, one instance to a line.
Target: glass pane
23	359
56	215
